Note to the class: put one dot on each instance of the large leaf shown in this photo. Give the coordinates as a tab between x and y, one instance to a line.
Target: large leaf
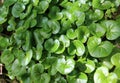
112	29
97	48
65	66
102	75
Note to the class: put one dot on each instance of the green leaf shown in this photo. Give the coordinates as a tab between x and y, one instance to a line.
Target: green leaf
4	42
96	15
102	75
7	57
80	78
42	6
80	49
17	69
55	26
112	29
82	33
65	40
71	34
90	66
115	59
71	49
117	72
97	48
17	9
61	48
12	24
8	3
35	2
51	46
55	13
103	5
27	58
97	29
37	74
65	66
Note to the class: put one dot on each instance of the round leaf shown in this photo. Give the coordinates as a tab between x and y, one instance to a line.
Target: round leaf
97	48
80	49
65	66
7	57
115	59
112	29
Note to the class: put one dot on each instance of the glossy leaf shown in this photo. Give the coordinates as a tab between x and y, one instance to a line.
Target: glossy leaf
97	29
80	49
65	66
115	59
112	29
82	33
27	58
17	9
7	57
97	48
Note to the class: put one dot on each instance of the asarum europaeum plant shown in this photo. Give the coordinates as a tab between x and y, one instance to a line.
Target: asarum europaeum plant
61	41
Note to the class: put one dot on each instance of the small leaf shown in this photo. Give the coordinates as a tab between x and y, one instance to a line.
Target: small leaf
71	34
115	59
7	57
65	66
82	33
80	49
17	9
97	29
90	66
27	58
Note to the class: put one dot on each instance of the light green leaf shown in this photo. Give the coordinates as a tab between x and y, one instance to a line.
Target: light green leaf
112	29
17	9
82	33
97	48
80	49
115	59
27	58
97	29
65	40
65	66
71	34
52	45
90	66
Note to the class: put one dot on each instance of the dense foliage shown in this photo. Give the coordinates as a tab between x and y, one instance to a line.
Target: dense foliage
61	41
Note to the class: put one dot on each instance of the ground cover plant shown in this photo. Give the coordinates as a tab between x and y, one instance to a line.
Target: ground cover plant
60	41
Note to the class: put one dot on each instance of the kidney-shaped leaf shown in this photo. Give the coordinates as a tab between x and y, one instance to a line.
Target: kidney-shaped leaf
65	66
113	30
97	48
51	45
7	57
115	59
17	9
80	48
82	33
